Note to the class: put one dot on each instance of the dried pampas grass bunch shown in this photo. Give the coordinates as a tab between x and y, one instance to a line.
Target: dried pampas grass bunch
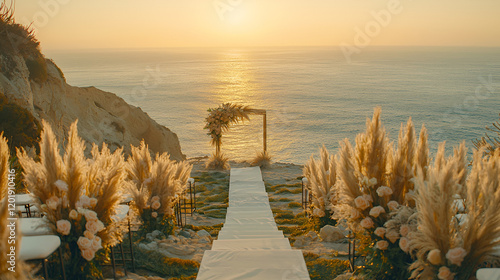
322	178
451	246
217	162
376	182
155	187
263	159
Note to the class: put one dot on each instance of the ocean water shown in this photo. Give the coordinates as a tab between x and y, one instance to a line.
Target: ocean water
313	96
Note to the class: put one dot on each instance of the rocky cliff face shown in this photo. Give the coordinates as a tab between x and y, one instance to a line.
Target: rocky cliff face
102	116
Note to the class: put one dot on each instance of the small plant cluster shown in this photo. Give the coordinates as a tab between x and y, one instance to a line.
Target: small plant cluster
322	178
155	187
79	196
217	122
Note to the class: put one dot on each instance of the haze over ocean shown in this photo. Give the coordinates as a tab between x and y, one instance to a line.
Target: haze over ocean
312	95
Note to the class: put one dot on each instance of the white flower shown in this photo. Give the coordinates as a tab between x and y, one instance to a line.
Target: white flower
318	212
155	198
155	205
90	215
73	214
63	227
93	202
367	223
376	211
52	202
404	230
384	191
404	244
372	182
154	214
393	205
361	202
88	254
368	197
355	214
392	235
84	243
61	185
456	255
434	256
85	201
380	232
445	273
382	245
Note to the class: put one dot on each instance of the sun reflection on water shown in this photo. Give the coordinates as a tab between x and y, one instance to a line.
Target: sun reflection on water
235	82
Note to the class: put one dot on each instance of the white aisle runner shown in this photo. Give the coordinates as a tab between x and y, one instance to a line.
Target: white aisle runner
249	245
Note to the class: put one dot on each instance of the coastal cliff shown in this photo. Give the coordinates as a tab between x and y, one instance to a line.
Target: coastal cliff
102	116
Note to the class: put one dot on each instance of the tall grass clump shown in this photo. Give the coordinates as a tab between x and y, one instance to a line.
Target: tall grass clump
322	177
448	246
263	159
5	272
376	184
155	187
76	200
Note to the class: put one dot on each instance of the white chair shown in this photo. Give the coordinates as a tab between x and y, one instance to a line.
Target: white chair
40	248
25	202
488	274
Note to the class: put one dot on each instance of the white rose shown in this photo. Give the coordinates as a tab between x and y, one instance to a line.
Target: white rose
318	212
361	202
367	223
382	245
380	232
84	243
73	214
404	230
434	256
404	244
445	273
376	211
63	227
456	255
392	236
61	185
384	191
393	205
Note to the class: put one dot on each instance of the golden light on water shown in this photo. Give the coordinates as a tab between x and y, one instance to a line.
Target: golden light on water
235	82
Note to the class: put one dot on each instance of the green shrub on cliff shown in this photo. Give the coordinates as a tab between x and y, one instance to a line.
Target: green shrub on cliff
18	124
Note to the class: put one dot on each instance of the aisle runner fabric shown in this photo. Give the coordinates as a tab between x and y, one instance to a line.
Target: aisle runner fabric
249	245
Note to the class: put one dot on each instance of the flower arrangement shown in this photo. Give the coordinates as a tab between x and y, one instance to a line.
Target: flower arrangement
376	182
322	177
77	200
445	242
217	122
155	187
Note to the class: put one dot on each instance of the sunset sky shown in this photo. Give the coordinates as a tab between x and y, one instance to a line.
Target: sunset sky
63	24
